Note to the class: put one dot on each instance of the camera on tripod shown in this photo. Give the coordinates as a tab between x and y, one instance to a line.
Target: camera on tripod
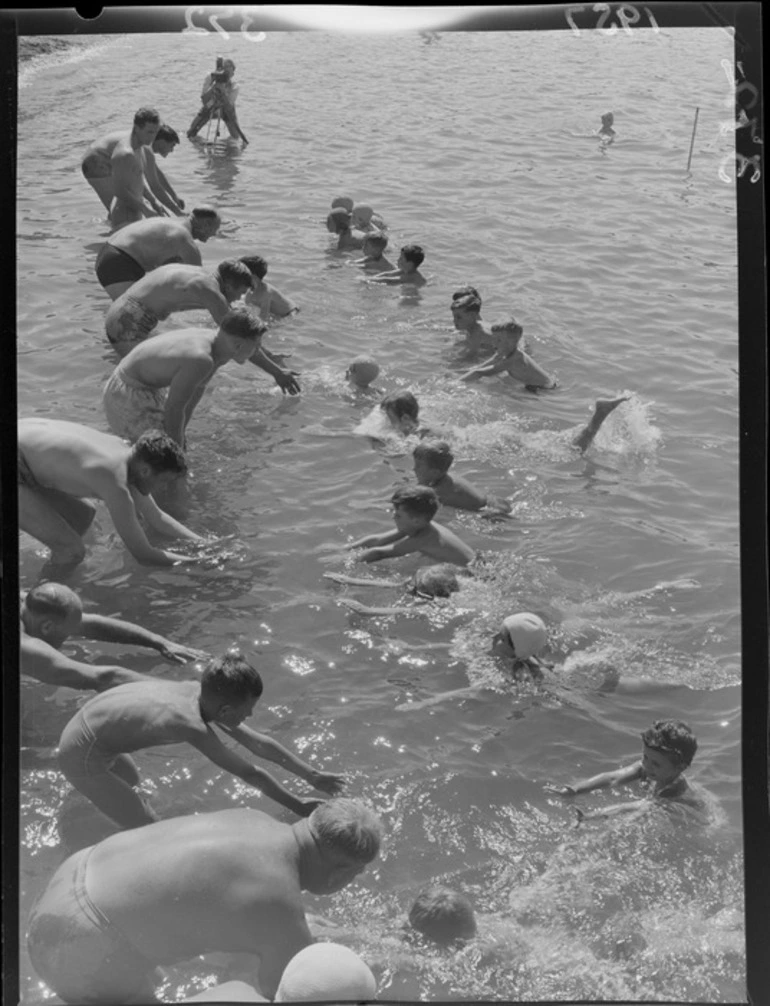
220	75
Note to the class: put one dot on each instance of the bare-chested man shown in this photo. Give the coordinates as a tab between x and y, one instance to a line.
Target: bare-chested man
141	247
228	881
160	382
262	296
171	288
163	144
123	150
50	613
60	463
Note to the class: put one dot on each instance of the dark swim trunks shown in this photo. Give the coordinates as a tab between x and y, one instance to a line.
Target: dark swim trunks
96	165
116	266
76	949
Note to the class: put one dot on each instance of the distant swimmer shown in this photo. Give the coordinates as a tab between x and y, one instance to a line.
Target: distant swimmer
466	315
365	219
605	132
113	166
507	334
361	372
339	222
170	288
263	296
416	531
408	268
162	380
50	613
163	144
141	247
432	461
231	880
60	463
95	745
343	201
374	258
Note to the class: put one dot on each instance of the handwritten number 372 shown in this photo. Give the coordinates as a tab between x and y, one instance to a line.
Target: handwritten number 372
246	20
627	15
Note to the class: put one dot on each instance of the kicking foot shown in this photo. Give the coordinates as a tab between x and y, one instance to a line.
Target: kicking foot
604	406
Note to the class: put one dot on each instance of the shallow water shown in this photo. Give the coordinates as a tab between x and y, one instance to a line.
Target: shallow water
622	270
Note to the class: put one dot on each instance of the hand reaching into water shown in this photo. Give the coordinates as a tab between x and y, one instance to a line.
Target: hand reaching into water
178	654
560	790
328	782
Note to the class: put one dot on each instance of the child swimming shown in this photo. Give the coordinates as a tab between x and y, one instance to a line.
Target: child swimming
506	334
361	372
432	461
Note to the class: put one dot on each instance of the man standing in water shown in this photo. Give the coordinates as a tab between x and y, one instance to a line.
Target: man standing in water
228	881
218	99
123	151
60	463
143	246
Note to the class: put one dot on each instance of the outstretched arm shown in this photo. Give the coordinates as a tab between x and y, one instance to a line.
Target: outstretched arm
615	778
123	505
377	539
163	522
41	661
265	747
114	630
285	379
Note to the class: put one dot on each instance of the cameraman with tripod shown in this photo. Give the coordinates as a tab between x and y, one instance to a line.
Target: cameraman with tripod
218	97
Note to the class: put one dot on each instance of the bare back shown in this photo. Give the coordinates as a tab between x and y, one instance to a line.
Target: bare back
175	287
157	361
157	241
74	459
105	145
443	545
225	881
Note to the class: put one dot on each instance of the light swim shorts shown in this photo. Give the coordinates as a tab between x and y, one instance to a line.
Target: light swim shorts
77	950
128	321
131	407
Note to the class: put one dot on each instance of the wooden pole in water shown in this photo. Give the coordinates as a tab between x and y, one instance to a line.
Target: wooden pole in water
692	141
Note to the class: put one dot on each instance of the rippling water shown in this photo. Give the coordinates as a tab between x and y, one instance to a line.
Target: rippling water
622	270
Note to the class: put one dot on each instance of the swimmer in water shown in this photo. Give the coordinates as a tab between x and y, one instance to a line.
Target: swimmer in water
339	222
407	271
345	202
50	613
507	334
425	584
361	372
416	531
466	315
94	746
605	132
443	916
432	461
168	289
403	410
668	748
365	219
263	296
374	260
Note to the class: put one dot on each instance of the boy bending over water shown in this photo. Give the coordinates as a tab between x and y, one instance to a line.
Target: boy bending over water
668	748
94	747
416	531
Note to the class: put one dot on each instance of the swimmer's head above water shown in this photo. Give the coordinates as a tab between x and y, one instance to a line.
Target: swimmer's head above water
607	119
443	915
414	507
234	279
342	201
521	636
668	748
338	221
466	310
230	688
362	215
256	265
51	612
374	244
432	460
435	581
402	409
324	972
362	371
507	333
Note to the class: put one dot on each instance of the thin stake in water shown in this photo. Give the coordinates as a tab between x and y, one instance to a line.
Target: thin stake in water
692	140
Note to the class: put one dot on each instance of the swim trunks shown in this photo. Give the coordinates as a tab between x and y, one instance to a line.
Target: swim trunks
91	770
129	321
132	407
113	265
77	950
96	165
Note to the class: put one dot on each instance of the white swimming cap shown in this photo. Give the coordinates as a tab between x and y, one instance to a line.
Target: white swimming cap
528	633
326	971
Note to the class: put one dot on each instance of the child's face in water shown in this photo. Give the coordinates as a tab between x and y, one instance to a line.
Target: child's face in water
660	766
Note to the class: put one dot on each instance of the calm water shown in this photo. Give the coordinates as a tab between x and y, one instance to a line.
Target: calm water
622	270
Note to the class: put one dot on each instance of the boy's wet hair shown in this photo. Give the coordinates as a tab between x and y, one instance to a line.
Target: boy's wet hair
243	321
463	291
402	404
435	581
234	271
507	324
52	600
437	453
443	915
363	369
255	264
205	213
672	737
146	115
413	254
167	133
160	451
231	678
376	238
338	220
421	501
344	202
467	302
349	827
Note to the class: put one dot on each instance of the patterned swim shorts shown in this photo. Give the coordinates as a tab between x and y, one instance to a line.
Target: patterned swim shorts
128	321
131	407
